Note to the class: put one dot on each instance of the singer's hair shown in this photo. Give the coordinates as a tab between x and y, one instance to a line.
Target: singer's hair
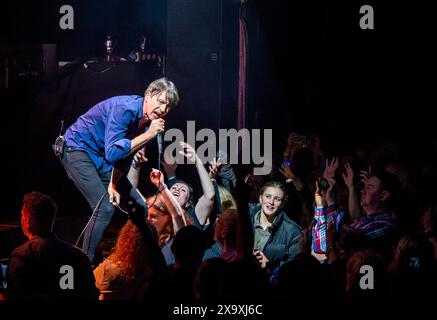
163	84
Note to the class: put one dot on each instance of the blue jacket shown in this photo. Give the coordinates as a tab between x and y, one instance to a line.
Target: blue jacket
282	245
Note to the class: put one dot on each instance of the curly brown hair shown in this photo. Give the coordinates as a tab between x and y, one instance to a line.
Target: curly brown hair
131	253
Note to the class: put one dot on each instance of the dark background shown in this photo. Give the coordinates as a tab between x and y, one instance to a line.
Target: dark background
310	68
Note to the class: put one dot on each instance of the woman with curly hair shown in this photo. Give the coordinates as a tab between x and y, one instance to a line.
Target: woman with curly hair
127	269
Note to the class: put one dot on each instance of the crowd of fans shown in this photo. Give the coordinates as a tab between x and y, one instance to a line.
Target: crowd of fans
359	225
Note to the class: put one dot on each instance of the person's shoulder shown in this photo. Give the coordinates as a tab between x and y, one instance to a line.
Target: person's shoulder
124	98
290	224
21	250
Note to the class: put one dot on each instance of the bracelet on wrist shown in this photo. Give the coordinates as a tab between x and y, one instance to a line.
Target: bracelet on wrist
135	164
163	187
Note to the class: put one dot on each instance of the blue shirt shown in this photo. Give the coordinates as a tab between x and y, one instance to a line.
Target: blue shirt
106	130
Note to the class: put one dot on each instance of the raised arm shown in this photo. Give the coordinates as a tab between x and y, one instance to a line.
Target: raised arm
177	213
353	200
206	201
134	171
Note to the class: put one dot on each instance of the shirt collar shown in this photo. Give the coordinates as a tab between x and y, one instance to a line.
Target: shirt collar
274	225
140	108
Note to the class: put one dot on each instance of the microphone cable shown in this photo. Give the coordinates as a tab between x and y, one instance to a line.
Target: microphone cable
94	212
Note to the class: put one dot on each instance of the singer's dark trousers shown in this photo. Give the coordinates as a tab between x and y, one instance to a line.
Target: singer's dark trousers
93	184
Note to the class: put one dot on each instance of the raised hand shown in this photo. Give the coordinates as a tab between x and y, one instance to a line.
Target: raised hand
170	169
318	195
157	178
330	195
348	176
188	152
213	167
330	168
365	175
140	157
287	172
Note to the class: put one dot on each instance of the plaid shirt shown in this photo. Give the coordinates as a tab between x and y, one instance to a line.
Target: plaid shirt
318	230
375	225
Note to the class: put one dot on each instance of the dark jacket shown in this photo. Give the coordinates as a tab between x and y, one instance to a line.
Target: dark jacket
35	272
282	245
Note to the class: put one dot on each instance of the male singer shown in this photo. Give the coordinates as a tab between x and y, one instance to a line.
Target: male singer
109	132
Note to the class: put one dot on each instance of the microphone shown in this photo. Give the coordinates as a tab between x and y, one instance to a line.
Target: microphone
159	140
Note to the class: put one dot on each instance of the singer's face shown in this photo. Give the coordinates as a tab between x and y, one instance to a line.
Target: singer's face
156	106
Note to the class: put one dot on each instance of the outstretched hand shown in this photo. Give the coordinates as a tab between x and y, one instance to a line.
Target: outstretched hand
365	175
318	199
330	168
330	193
287	172
169	164
348	176
188	152
140	156
214	165
157	178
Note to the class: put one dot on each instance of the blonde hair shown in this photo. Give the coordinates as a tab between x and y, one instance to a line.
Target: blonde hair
226	199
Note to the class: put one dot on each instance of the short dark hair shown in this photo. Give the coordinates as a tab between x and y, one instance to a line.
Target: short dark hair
389	183
187	245
163	84
42	210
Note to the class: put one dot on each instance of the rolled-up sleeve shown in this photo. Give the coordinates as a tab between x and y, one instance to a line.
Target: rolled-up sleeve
117	146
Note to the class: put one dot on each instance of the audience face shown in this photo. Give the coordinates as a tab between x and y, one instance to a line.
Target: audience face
181	192
158	218
157	105
271	201
372	194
